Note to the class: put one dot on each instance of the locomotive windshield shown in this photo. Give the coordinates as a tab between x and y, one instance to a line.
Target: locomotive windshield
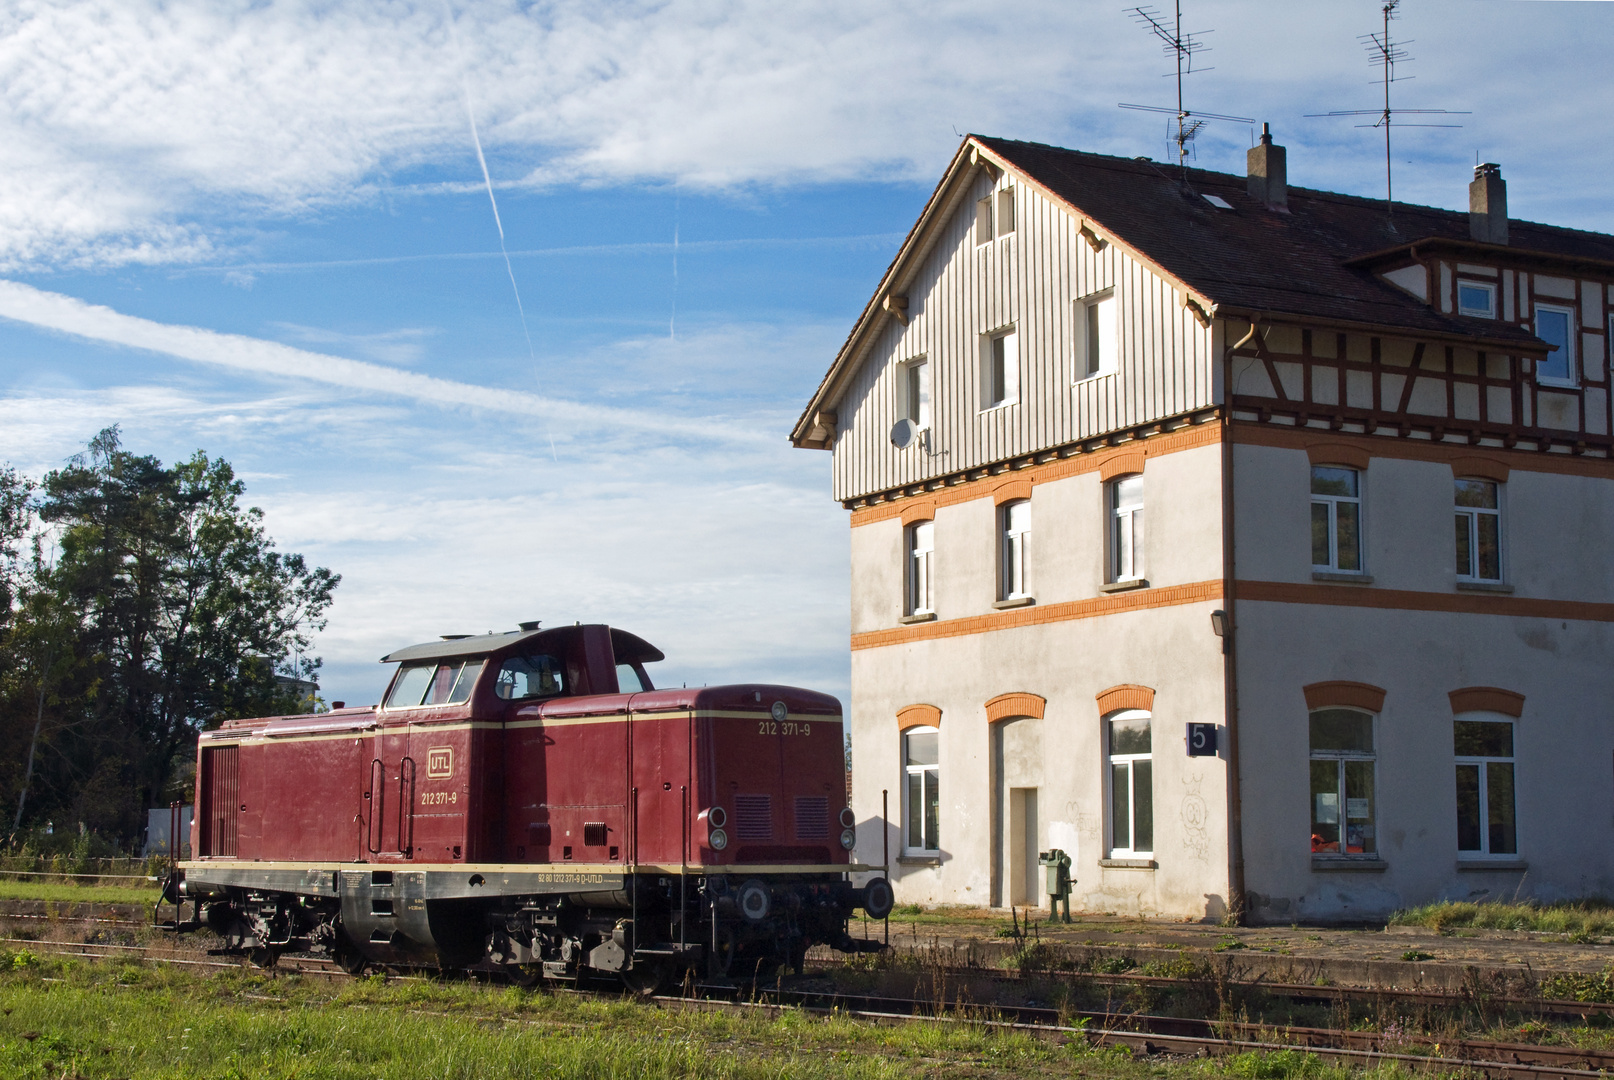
525	677
434	684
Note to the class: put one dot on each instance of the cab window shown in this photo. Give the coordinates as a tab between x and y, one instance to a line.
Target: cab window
525	677
630	680
434	683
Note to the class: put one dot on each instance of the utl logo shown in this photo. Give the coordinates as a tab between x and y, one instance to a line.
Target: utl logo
439	762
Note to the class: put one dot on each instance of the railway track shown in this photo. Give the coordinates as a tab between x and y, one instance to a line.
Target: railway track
1304	993
1140	1032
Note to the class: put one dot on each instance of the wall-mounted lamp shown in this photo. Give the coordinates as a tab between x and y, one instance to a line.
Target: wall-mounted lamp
1219	623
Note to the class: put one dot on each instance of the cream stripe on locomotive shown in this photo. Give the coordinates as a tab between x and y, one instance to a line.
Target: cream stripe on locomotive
213	739
574	870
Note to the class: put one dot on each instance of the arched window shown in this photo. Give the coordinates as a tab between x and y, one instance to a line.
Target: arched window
921	801
1336	519
1126	528
1130	746
1342	783
1486	821
1479	530
921	544
1013	544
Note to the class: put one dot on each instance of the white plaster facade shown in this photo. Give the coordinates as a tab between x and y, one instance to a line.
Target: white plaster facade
1230	623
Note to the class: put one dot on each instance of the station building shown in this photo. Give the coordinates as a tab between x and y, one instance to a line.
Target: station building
1132	452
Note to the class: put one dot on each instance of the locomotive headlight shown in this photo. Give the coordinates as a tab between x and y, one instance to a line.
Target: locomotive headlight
718	839
848	838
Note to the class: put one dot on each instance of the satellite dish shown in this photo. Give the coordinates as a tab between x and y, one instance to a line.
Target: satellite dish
903	434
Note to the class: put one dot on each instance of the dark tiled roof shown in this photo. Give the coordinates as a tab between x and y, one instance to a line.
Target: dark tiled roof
1251	258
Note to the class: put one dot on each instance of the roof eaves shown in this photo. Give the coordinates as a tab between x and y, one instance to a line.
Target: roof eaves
1521	342
1512	252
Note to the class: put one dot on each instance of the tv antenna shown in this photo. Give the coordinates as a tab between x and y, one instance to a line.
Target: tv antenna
1183	47
1384	52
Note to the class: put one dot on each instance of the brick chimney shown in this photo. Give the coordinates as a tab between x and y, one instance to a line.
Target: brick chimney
1268	170
1487	205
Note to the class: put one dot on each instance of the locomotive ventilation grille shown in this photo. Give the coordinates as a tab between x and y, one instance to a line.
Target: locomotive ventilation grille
812	817
753	817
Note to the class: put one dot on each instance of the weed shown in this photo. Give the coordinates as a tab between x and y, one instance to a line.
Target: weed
1414	955
1593	917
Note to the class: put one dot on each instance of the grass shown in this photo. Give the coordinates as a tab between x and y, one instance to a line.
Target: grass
1577	918
98	1021
67	893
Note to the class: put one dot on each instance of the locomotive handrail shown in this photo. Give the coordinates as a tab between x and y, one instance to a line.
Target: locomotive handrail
376	794
406	806
683	867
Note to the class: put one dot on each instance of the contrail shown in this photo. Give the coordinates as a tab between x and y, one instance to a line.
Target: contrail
481	160
672	323
487	180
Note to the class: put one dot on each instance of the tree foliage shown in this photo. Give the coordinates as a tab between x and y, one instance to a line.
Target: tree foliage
143	604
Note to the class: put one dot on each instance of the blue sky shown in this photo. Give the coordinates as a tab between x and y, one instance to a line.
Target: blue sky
261	229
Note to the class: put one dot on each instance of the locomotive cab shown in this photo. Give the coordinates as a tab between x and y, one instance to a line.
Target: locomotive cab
529	801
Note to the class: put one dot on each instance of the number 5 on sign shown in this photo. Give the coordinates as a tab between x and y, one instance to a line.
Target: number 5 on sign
1201	740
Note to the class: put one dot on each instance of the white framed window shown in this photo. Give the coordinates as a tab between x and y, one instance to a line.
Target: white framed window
921	801
1015	522
1095	328
1479	530
1131	781
921	545
1336	519
1126	528
1476	298
916	392
1556	326
1000	369
1486	822
1343	802
994	216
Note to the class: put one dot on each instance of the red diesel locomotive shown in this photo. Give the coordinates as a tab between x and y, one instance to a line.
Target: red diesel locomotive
529	802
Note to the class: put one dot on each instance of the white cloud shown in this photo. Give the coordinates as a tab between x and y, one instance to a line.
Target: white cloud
733	564
142	131
68	315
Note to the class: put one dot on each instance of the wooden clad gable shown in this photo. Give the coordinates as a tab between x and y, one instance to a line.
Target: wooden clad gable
1031	281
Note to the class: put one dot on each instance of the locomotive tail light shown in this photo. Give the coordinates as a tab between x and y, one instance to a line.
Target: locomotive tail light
715	819
848	819
848	838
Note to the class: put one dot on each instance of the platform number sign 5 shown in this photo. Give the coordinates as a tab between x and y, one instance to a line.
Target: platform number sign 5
1201	740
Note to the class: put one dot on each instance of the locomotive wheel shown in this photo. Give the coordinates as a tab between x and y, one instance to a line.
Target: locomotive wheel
646	977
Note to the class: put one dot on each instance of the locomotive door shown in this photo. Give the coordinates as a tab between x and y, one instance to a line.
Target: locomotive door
390	797
662	832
